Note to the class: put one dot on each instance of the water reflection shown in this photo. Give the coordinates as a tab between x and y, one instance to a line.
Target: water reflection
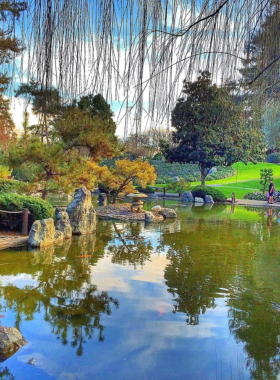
233	263
71	304
5	374
221	260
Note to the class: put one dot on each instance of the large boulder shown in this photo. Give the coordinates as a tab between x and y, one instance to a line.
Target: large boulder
81	213
187	196
209	199
42	233
150	217
198	200
10	341
63	224
168	213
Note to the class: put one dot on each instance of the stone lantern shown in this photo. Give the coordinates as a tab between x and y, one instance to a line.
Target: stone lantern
136	204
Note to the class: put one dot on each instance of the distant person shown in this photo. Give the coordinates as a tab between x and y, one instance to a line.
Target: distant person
270	191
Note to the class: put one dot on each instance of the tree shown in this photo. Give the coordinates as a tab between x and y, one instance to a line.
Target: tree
210	129
266	176
121	179
63	152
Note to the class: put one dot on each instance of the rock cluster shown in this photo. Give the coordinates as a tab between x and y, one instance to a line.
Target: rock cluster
79	219
188	197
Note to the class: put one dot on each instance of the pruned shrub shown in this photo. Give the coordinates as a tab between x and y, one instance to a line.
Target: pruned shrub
38	208
147	190
201	191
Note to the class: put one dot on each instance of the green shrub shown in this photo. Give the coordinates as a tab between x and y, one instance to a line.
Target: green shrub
273	158
38	208
179	186
147	190
257	196
201	191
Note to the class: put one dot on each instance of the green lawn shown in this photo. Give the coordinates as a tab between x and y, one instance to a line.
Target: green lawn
246	179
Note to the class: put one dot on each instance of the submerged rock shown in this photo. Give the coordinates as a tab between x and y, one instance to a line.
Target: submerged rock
150	217
81	213
42	233
168	213
10	341
209	199
187	196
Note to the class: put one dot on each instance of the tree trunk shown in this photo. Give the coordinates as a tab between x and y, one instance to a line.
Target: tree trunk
203	172
44	193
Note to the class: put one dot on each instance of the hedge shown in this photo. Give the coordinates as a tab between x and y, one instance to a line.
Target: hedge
201	191
38	208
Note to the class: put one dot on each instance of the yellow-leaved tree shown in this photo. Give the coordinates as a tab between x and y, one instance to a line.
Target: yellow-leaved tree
120	180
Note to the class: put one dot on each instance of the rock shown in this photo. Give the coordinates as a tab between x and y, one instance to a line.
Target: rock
41	233
102	199
209	199
176	178
198	200
81	213
187	196
10	341
213	170
63	224
168	213
150	217
156	208
31	361
58	237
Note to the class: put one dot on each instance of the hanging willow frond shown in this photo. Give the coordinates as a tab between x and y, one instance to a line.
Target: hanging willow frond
136	52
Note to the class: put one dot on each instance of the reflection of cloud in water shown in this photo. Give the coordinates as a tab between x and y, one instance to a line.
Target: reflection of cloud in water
107	278
20	280
154	270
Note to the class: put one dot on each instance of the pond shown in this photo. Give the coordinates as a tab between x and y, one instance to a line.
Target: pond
194	298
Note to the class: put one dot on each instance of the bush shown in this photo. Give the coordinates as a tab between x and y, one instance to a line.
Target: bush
147	190
12	186
273	158
257	196
38	208
201	191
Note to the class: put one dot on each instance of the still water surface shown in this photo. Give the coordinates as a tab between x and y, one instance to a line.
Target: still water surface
195	298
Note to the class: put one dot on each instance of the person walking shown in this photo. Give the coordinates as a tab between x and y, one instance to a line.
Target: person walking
270	191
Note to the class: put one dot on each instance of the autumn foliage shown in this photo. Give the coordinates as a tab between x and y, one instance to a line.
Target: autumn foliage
121	180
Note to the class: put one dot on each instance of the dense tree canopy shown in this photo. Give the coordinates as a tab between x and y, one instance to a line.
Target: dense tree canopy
210	129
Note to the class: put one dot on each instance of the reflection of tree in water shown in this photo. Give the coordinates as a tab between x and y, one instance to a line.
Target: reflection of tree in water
214	263
71	304
253	322
132	250
5	374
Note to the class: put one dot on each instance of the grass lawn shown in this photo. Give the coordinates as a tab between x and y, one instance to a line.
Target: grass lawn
246	179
